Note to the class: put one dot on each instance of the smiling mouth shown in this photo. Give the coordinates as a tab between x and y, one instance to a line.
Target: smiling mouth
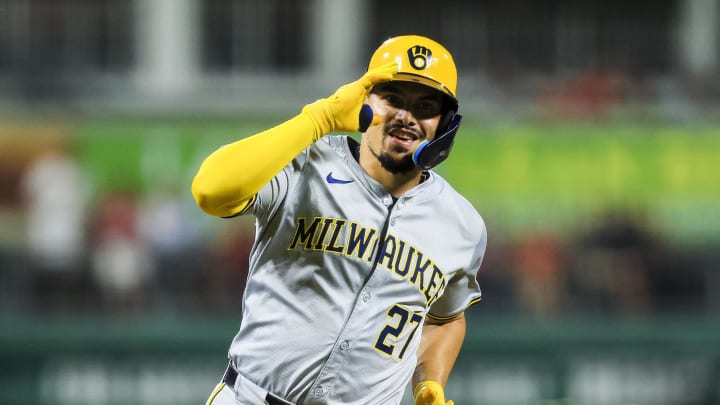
403	134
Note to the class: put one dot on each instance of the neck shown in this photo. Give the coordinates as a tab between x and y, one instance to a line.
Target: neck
395	183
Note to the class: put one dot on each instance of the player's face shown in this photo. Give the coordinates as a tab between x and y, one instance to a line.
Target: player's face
410	114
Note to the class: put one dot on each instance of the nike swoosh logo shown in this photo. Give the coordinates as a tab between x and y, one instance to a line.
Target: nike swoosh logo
332	180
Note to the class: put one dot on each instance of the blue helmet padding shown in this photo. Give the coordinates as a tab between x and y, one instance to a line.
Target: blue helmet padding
431	153
366	116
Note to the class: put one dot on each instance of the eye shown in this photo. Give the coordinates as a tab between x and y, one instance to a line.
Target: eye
393	99
427	108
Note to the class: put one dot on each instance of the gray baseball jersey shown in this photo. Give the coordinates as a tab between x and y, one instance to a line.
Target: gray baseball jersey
330	314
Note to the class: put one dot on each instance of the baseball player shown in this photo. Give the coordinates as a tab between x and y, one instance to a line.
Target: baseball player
364	259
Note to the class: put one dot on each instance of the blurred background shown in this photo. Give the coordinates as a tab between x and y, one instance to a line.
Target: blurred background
590	145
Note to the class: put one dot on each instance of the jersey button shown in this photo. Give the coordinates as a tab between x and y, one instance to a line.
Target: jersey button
319	391
393	221
366	296
387	201
344	345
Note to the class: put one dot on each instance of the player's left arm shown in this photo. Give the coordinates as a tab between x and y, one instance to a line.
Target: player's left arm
439	348
444	329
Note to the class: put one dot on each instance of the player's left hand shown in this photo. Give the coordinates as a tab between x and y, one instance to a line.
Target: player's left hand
430	393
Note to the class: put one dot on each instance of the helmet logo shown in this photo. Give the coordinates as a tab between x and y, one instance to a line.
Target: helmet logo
419	57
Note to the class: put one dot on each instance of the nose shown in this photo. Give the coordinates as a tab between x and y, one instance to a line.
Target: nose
405	115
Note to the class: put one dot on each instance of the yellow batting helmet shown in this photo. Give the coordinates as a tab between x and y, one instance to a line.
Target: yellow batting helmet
422	60
419	60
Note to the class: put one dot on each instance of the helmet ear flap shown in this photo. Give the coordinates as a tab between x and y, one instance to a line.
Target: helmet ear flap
431	153
445	121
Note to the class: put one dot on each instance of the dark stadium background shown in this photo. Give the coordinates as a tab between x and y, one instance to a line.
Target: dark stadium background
590	145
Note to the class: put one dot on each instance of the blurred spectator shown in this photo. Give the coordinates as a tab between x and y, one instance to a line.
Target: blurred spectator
161	221
221	283
121	261
55	200
173	242
589	95
538	267
496	279
613	264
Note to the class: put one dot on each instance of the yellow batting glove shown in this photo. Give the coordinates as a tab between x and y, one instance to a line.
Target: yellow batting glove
430	393
344	111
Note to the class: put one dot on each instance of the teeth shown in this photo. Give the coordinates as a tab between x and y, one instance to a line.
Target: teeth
403	136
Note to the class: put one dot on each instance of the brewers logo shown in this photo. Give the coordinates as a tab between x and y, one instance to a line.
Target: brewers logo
419	57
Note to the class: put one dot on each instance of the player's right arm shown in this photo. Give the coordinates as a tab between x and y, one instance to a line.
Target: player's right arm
230	177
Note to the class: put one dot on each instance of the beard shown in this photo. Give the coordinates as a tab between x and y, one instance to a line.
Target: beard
395	166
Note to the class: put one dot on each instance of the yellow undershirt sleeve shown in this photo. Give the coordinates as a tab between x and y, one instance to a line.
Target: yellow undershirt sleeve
230	177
